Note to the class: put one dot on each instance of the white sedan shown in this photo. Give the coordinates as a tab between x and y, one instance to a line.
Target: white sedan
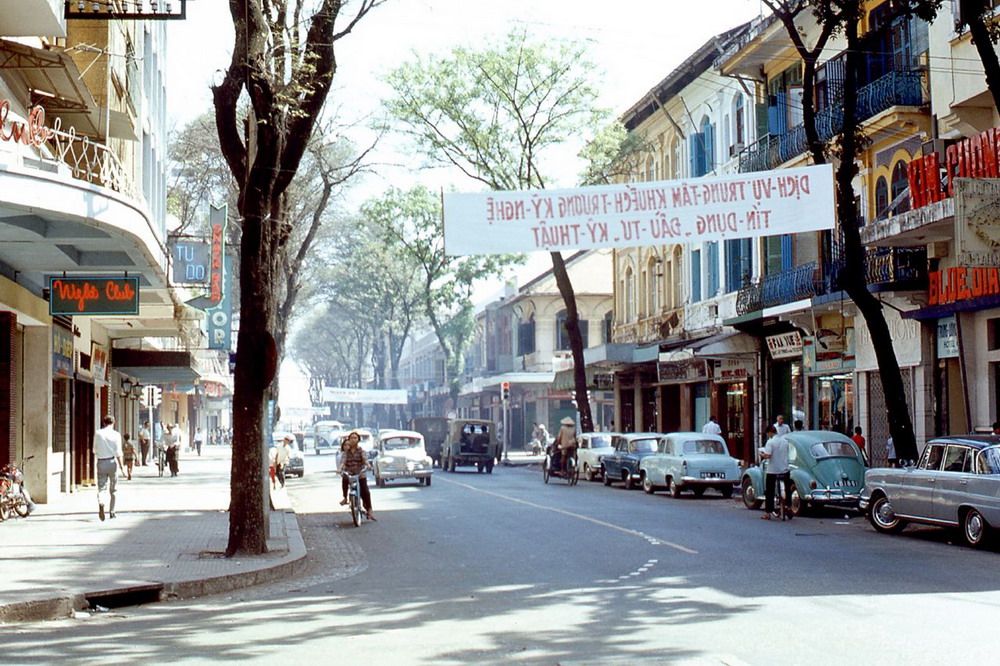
400	454
591	446
690	461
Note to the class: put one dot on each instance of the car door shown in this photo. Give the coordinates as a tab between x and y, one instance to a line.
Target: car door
654	464
952	484
612	461
916	489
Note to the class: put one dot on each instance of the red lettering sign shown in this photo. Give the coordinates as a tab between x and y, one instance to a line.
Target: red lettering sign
976	157
217	248
94	295
32	133
961	283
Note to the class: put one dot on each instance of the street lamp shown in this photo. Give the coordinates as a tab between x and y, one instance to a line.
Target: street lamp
126	387
137	390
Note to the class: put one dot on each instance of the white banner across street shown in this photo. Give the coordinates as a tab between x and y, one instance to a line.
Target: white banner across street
747	205
365	396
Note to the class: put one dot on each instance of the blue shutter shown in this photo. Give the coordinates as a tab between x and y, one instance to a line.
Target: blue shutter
712	257
709	148
695	276
693	155
787	253
732	266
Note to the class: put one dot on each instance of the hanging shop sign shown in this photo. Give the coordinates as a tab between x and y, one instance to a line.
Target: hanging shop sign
604	380
99	361
220	319
93	295
62	352
682	372
733	369
975	157
635	214
784	345
190	262
947	337
829	350
217	218
961	283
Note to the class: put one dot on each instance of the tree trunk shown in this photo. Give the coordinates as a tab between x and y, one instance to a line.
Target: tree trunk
984	46
575	342
854	280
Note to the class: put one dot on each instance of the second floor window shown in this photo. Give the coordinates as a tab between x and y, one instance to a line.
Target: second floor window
695	276
609	321
739	263
562	333
526	336
711	270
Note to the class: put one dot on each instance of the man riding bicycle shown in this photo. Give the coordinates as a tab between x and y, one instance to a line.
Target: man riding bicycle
355	462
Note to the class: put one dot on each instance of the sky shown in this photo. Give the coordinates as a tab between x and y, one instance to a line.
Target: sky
633	51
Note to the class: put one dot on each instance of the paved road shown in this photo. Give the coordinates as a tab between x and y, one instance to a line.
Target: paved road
491	568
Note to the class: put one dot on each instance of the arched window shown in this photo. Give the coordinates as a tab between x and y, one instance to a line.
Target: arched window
739	123
526	336
629	295
562	335
609	322
708	138
899	184
881	197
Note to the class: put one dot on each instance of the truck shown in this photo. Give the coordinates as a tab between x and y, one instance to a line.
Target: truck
470	442
435	432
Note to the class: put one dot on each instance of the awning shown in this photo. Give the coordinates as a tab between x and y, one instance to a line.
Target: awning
938	311
56	85
598	379
730	343
154	366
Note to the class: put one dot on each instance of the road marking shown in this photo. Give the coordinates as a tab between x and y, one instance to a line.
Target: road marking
652	540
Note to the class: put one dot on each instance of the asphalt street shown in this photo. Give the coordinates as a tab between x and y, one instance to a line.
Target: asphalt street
499	568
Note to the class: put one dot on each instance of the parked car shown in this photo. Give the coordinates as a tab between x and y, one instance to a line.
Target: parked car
435	431
956	483
470	442
400	454
296	461
328	435
593	445
622	463
690	461
826	468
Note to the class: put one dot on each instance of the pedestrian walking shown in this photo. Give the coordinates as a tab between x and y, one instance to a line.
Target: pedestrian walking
171	446
859	440
282	453
199	439
775	452
890	452
128	455
712	427
798	426
780	426
144	438
108	449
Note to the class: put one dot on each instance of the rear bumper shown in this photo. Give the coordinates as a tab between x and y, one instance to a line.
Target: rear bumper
414	474
834	496
708	483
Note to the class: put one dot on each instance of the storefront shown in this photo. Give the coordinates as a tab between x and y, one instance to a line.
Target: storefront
733	401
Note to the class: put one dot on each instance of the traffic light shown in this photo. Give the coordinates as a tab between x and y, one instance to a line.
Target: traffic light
151	396
505	391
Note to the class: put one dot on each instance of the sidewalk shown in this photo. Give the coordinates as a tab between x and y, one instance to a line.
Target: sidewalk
166	541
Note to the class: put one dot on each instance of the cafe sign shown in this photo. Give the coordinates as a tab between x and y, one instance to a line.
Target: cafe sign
93	295
785	345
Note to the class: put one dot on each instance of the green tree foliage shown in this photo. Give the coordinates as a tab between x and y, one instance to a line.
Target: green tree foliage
497	114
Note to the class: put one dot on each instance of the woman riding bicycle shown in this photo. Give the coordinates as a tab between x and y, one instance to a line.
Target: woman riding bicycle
355	462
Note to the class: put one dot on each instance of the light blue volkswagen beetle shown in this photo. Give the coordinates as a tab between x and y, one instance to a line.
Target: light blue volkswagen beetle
826	469
690	461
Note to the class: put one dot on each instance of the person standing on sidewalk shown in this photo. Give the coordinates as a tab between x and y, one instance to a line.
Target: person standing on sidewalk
281	454
108	448
199	439
128	455
712	427
144	437
171	446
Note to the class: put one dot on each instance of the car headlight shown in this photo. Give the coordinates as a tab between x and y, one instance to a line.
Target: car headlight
428	461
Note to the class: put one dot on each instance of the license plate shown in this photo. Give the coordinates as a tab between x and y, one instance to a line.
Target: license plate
713	475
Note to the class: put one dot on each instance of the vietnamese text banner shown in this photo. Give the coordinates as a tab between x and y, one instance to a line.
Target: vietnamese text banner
365	396
746	205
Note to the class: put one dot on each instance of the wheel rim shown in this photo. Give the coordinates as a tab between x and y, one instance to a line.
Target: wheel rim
647	484
974	527
796	507
883	514
749	496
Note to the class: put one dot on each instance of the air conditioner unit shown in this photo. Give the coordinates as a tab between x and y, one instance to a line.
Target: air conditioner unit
736	149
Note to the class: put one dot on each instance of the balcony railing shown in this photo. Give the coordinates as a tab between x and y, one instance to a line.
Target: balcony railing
893	89
92	162
886	269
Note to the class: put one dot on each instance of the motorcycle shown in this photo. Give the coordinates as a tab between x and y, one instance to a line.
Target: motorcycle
553	467
14	497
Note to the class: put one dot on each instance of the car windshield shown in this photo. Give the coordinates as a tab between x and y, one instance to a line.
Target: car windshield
598	441
396	443
704	446
833	450
644	446
989	461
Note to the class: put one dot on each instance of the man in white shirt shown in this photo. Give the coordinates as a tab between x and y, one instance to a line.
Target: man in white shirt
144	437
712	427
775	452
108	450
281	455
780	426
199	439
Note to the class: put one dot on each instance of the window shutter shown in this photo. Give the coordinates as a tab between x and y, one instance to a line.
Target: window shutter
695	276
787	252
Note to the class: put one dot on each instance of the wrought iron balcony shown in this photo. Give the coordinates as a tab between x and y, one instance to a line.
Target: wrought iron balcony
893	89
892	268
779	288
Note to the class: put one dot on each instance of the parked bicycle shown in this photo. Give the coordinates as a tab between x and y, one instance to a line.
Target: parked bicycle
14	497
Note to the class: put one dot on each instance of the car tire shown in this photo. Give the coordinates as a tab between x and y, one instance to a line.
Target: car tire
489	466
675	490
975	529
589	473
605	477
882	518
629	483
427	481
545	471
479	468
727	491
799	507
451	464
647	485
699	491
750	499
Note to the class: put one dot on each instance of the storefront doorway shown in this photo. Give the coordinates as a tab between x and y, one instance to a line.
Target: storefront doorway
833	403
733	414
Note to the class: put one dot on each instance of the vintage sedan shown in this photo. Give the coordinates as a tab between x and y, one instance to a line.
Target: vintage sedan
692	461
592	446
296	461
622	464
826	468
956	483
400	454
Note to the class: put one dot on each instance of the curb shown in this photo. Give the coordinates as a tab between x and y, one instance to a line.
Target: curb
64	606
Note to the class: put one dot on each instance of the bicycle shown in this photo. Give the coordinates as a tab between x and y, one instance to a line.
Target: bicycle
354	504
161	459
